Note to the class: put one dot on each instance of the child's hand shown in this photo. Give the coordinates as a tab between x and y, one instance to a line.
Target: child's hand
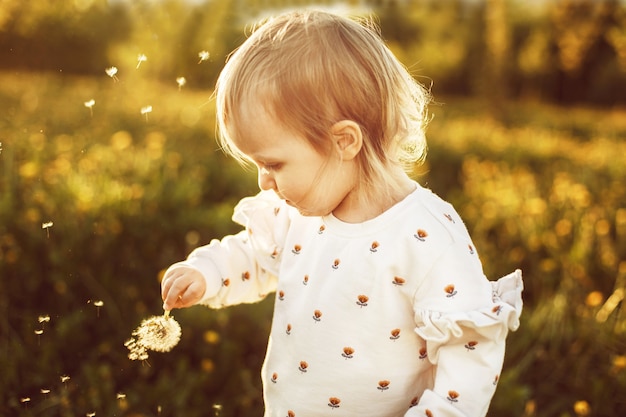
182	287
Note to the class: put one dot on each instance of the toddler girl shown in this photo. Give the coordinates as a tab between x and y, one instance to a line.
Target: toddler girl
382	307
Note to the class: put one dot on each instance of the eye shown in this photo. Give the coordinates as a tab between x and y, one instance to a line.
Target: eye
271	166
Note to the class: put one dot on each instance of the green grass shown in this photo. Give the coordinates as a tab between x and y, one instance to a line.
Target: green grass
540	187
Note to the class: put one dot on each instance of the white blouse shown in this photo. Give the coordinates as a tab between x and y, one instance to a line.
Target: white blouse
389	317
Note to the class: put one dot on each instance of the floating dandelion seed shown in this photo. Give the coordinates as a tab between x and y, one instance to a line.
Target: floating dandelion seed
47	226
203	55
98	304
112	72
181	81
90	414
45	391
89	104
0	147
145	110
43	319
120	396
217	408
141	58
39	333
157	333
25	401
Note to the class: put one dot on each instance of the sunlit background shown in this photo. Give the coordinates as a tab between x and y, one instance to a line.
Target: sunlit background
110	172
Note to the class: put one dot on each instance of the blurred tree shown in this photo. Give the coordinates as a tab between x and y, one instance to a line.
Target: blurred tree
616	36
578	29
63	35
497	42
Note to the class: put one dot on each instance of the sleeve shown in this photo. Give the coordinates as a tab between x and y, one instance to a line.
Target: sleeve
464	319
243	268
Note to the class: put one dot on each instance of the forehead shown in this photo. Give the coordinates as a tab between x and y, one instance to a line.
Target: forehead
259	134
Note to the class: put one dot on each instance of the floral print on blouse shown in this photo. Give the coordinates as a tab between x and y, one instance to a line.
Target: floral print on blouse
389	317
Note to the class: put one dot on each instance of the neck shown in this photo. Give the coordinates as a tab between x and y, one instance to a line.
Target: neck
360	206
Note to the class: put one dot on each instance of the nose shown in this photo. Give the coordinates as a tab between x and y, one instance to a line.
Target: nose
266	180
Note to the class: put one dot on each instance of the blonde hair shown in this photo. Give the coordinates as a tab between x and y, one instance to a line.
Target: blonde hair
312	69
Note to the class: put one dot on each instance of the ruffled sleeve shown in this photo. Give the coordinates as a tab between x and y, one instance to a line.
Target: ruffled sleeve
467	346
266	219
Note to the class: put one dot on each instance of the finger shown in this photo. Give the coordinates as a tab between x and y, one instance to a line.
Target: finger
168	281
176	290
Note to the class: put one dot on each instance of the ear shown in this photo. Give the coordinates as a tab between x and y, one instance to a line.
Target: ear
347	139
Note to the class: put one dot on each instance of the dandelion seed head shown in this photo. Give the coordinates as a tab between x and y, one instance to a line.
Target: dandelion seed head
181	81
157	333
111	71
43	319
98	303
146	109
89	104
47	225
142	58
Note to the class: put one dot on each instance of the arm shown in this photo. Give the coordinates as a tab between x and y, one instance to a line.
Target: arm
241	268
464	320
224	272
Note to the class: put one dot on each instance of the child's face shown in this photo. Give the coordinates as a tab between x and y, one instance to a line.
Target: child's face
287	163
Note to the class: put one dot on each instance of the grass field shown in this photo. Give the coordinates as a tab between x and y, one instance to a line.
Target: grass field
96	198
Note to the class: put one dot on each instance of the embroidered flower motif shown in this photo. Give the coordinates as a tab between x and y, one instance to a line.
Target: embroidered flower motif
281	295
383	385
374	247
496	379
225	282
288	331
497	310
274	253
336	263
398	281
449	217
471	249
449	289
274	377
428	413
395	334
423	353
362	300
296	249
245	276
317	315
421	235
303	366
348	352
321	229
471	345
453	396
414	402
291	413
333	402
276	211
305	280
